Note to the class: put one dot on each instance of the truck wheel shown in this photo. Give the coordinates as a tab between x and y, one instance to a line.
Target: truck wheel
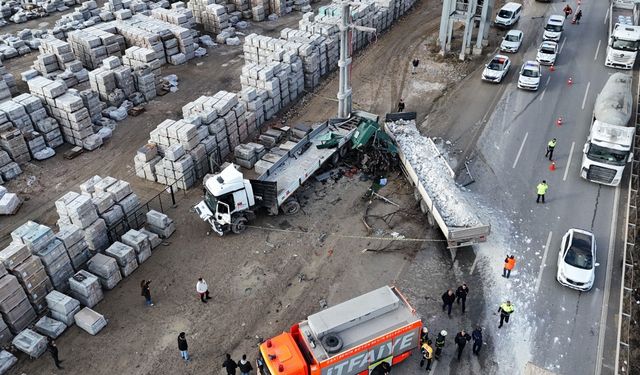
416	194
239	224
332	343
291	207
335	158
344	149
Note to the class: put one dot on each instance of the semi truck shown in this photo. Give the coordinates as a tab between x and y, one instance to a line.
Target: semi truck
610	141
624	34
231	199
364	335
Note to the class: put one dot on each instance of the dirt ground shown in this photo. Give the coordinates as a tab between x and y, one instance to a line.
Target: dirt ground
277	272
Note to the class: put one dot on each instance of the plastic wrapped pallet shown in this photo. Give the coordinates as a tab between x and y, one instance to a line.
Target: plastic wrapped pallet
160	224
14	254
85	287
96	236
62	307
31	343
5	335
90	321
50	327
7	360
106	269
125	256
154	239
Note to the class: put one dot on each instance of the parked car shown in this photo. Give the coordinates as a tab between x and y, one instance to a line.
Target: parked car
577	260
547	53
508	15
553	28
496	69
512	41
530	75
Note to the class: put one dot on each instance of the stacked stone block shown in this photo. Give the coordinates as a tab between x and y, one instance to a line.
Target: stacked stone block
92	45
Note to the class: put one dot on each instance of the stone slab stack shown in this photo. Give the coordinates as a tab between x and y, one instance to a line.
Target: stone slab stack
125	256
77	209
31	343
92	45
17	115
5	335
179	17
56	60
50	327
125	200
12	141
140	244
246	155
31	275
62	307
16	310
90	321
215	18
85	287
57	264
137	37
144	62
160	224
112	81
106	269
7	84
9	202
8	168
47	126
72	238
145	161
7	360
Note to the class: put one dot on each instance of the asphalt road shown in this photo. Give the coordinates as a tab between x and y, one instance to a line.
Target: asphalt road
563	329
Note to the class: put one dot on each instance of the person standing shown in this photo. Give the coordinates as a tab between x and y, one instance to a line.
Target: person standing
461	295
424	335
260	364
203	290
578	15
551	145
541	190
567	11
183	347
230	365
427	354
461	340
509	263
146	292
440	341
476	335
505	310
244	365
401	106
53	349
447	301
414	65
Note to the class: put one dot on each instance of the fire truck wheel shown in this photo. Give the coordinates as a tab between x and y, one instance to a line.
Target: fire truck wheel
238	225
332	343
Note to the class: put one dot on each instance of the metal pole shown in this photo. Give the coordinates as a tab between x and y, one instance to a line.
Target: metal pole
344	91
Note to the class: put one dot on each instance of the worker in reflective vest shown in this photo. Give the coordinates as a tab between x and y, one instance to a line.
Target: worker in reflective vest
509	263
427	355
505	310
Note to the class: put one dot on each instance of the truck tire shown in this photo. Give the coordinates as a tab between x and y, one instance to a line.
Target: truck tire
335	158
344	149
291	207
332	343
239	224
423	207
416	194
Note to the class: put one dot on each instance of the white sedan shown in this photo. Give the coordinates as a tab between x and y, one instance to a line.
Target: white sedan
512	41
530	74
547	53
497	69
577	260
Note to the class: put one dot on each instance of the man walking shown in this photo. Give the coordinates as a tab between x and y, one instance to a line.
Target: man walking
505	311
427	354
551	145
461	295
509	263
440	341
53	349
567	11
401	106
183	347
203	290
230	365
461	340
146	292
447	301
541	190
476	335
578	15
414	65
244	365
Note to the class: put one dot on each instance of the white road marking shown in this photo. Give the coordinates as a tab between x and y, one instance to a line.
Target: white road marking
606	16
520	150
544	259
566	170
548	79
586	93
542	95
562	45
607	281
595	57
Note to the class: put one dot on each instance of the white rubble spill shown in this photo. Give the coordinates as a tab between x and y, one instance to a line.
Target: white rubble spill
435	174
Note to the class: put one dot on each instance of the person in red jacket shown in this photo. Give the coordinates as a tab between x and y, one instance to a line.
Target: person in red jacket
509	263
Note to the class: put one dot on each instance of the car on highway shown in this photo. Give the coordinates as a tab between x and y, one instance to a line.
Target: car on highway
547	53
577	260
512	41
496	69
530	75
553	28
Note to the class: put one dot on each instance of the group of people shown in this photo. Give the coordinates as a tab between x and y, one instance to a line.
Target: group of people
201	288
461	340
449	297
229	364
568	11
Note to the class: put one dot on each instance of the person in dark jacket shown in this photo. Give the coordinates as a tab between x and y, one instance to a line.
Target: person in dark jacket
461	341
424	335
447	300
440	341
244	365
461	295
476	335
230	365
401	106
183	347
53	349
145	292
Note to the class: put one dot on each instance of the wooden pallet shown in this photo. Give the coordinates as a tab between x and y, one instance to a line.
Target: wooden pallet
73	153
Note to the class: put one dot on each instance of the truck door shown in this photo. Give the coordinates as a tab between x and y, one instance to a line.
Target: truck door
223	215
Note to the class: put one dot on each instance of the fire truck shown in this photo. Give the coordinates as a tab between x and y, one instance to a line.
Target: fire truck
364	335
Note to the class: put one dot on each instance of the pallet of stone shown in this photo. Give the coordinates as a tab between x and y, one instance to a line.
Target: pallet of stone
106	269
5	335
10	204
96	236
12	141
62	307
154	239
7	360
50	327
14	254
81	212
125	256
90	321
139	242
15	307
86	288
57	264
31	343
160	224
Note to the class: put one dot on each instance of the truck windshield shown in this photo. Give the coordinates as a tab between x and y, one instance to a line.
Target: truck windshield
607	155
625	45
210	200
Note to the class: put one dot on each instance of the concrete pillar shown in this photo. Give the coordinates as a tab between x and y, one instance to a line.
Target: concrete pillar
344	89
444	37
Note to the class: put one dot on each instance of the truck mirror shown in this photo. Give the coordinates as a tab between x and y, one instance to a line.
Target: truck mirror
630	157
585	148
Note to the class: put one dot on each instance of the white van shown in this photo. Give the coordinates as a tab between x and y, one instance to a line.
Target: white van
508	15
553	28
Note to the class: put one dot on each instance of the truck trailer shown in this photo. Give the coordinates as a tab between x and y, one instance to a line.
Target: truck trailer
610	142
360	336
624	34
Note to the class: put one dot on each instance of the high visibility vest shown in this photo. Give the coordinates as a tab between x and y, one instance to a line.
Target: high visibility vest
427	351
510	263
542	188
552	143
508	309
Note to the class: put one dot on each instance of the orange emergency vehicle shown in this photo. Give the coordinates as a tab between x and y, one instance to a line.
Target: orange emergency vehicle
361	336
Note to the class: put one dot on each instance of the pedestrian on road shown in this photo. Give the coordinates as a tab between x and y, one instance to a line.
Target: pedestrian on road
53	349
578	15
183	347
427	355
505	310
203	290
476	335
260	365
440	341
244	365
447	301
551	145
461	340
401	106
230	365
461	295
509	263
567	11
414	66
145	292
541	190
424	336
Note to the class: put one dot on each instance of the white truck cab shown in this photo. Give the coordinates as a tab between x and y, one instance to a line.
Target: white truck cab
623	46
